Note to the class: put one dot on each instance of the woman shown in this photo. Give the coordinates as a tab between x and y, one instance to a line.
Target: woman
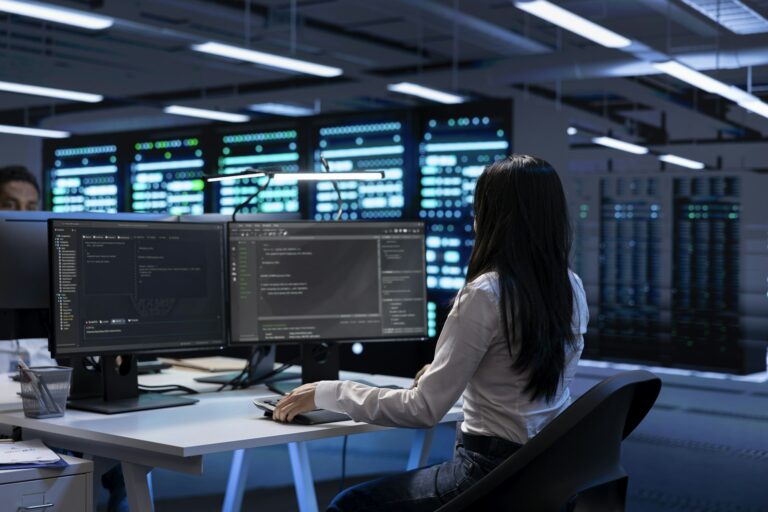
510	345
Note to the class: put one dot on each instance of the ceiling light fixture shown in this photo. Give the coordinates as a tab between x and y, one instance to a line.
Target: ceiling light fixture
426	93
621	145
56	14
34	132
50	92
683	162
282	109
267	59
202	113
574	23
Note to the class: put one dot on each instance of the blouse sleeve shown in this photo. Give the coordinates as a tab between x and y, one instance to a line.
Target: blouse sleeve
468	331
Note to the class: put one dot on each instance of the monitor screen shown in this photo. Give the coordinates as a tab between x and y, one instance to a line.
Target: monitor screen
84	179
167	176
274	149
122	287
306	281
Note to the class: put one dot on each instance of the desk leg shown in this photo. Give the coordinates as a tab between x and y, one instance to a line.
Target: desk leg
420	446
302	477
138	487
238	475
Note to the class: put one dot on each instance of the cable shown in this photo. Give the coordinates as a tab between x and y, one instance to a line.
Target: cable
343	464
252	196
335	188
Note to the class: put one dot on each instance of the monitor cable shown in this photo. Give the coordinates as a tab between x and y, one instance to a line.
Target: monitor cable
259	190
340	203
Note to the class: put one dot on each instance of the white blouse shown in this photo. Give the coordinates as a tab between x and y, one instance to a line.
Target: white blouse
471	359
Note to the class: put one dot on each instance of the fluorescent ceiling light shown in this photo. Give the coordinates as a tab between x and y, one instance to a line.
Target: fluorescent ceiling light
426	93
620	145
50	92
282	177
267	59
56	14
702	81
206	114
574	23
34	132
683	162
572	131
282	109
732	14
757	106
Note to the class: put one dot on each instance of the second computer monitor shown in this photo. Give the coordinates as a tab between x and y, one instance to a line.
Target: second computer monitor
335	281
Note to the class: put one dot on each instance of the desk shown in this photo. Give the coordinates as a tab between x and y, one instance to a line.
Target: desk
177	438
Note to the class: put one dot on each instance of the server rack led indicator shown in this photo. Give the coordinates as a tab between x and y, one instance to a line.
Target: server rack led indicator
166	176
275	149
452	154
85	179
362	147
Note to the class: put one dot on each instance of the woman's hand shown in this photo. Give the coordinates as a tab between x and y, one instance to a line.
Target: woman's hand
301	399
419	374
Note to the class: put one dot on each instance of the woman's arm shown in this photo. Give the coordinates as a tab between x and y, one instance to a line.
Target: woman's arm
471	325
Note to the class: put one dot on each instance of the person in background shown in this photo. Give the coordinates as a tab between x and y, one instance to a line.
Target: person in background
18	189
510	346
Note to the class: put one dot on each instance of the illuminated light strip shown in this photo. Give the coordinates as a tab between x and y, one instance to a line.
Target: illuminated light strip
282	109
303	176
267	59
702	81
325	176
57	14
33	132
50	92
101	190
621	145
85	171
161	166
259	159
360	128
202	113
91	150
426	92
372	151
465	146
574	23
682	162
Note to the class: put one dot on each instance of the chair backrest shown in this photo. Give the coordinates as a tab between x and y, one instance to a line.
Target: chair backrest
579	449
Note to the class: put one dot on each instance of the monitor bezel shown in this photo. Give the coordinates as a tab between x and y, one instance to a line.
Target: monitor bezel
411	338
104	351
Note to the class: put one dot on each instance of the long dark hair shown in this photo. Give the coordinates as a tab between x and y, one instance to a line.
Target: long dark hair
523	233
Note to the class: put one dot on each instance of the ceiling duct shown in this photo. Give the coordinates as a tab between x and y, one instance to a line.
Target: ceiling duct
734	15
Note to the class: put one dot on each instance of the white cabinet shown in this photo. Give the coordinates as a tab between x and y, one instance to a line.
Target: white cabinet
66	489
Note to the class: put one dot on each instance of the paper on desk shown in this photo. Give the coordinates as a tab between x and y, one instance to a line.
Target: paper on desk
26	452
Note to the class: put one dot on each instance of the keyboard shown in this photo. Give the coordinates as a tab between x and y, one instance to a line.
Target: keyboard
314	417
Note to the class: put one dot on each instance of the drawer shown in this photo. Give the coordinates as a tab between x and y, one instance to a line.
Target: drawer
63	494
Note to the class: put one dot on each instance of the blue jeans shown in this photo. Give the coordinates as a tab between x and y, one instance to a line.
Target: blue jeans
420	490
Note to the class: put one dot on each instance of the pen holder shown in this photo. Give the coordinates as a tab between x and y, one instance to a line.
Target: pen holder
44	390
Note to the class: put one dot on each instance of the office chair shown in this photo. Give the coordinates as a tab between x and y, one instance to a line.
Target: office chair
574	463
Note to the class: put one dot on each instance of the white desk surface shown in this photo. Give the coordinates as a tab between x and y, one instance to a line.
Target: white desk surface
220	422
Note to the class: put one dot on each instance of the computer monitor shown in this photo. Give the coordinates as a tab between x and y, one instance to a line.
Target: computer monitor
24	281
121	288
316	283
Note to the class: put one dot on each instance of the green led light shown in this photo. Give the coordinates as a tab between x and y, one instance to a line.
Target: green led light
198	185
167	155
226	151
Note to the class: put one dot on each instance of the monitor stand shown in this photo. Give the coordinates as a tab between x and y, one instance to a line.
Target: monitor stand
261	363
319	361
120	389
